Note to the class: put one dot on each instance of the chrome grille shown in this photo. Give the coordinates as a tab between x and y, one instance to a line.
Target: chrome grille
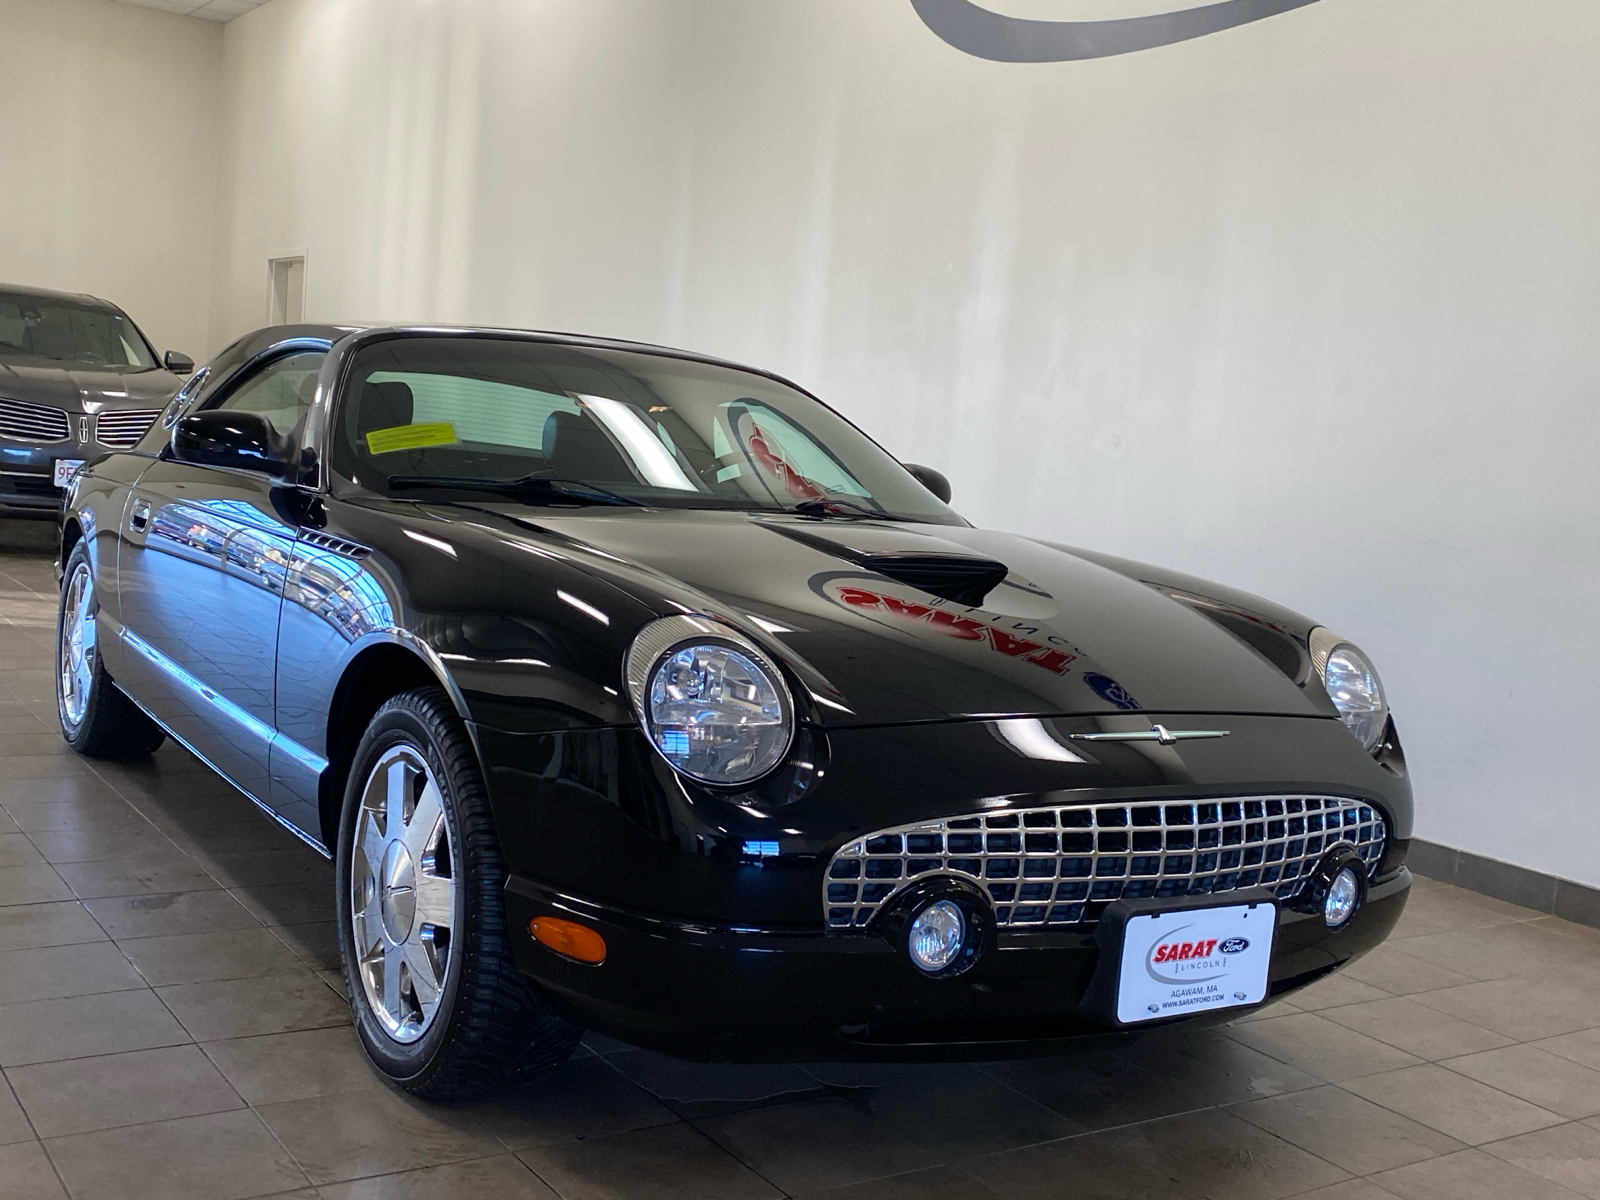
33	422
1061	866
121	430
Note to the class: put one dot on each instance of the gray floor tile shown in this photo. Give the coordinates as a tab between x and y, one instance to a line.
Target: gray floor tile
163	913
1321	1047
14	1125
1397	971
1092	1091
16	793
957	1112
1511	1007
1565	1154
95	845
169	871
670	1162
1446	910
585	1098
1348	1131
53	972
48	1030
205	957
26	1174
233	1008
1500	951
936	1183
218	1156
57	924
316	944
502	1178
1580	1047
298	1066
1211	1153
335	1138
38	884
1464	1109
1417	1029
1335	991
1469	1175
1541	1078
817	1144
297	903
99	810
16	850
103	1092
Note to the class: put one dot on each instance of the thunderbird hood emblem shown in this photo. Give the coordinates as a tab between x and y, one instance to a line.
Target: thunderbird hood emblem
1156	733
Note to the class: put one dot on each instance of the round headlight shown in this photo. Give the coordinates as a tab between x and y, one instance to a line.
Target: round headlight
1353	685
714	708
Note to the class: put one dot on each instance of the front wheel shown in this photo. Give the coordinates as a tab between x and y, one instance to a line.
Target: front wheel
96	718
436	999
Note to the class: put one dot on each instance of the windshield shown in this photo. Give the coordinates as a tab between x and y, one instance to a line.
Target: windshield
67	331
645	428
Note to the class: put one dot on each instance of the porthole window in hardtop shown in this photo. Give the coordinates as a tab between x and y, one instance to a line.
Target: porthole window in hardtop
650	428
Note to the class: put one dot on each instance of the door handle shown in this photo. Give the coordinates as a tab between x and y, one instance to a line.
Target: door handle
140	517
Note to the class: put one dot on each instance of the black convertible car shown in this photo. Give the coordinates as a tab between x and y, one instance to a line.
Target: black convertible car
641	691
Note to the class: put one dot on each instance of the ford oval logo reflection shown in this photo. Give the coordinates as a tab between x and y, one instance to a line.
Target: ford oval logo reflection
1233	945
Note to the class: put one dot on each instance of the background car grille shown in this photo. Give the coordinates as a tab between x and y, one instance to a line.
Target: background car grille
122	430
33	422
1062	866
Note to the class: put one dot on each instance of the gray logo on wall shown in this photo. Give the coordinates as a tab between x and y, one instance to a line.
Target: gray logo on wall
1000	38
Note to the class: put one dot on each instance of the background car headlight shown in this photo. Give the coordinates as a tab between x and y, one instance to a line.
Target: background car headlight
713	707
1353	685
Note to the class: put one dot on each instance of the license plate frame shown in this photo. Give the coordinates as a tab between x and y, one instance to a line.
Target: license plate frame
64	469
1149	970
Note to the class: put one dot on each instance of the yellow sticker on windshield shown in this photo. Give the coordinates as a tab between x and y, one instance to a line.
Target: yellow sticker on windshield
411	437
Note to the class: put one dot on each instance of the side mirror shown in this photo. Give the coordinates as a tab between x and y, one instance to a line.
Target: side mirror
223	437
933	480
178	364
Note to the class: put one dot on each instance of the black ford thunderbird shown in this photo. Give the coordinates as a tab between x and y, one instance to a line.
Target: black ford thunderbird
635	690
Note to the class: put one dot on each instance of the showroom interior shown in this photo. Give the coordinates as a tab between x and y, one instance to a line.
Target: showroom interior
1299	295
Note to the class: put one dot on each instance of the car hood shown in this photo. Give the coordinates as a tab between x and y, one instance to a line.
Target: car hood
71	387
847	605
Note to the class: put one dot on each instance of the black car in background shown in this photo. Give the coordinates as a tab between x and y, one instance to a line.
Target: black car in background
77	378
638	690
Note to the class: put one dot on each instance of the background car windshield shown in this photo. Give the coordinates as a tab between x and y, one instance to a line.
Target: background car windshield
664	431
36	327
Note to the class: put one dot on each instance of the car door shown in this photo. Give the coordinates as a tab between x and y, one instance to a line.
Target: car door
201	573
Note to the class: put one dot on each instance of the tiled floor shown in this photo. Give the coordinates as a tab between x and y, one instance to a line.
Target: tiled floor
171	1027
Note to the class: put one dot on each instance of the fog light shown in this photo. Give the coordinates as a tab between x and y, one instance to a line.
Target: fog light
1344	894
936	936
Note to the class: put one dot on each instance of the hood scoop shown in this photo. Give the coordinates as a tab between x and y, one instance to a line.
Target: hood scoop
963	578
929	564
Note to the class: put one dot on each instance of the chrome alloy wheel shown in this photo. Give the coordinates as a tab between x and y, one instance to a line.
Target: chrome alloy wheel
402	893
78	646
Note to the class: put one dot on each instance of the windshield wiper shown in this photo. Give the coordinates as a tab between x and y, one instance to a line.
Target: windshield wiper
527	487
832	506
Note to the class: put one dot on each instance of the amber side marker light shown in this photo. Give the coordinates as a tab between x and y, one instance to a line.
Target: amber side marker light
569	939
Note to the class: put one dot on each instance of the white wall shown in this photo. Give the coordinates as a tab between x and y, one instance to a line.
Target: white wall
108	158
1309	306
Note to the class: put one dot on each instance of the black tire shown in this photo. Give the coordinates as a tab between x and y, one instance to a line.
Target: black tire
489	1030
108	724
